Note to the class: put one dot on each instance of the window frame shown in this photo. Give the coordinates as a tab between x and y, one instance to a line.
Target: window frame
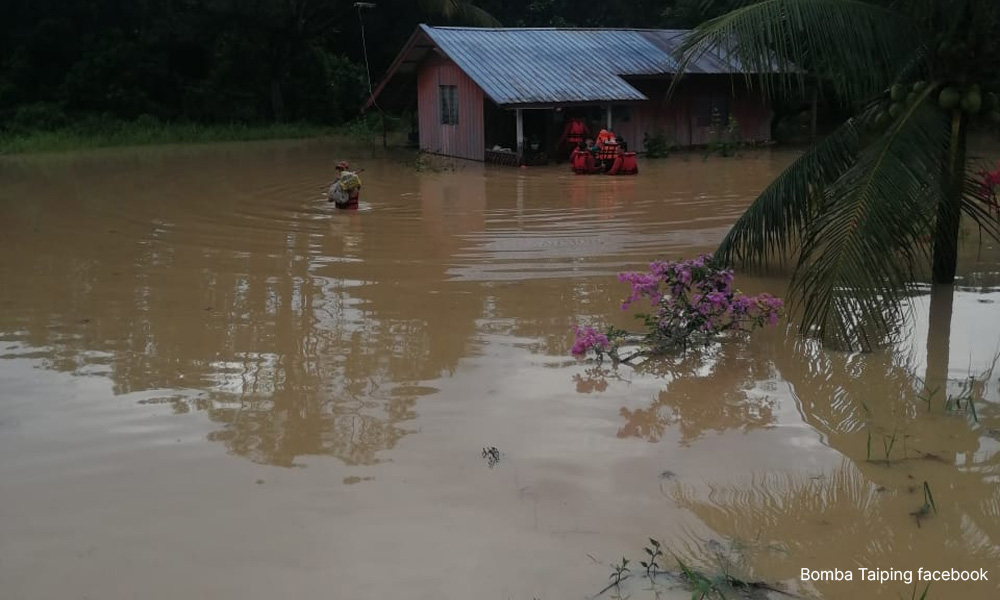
448	104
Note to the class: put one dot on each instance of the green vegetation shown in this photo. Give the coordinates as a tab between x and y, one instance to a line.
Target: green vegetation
853	212
716	582
724	135
95	132
618	572
654	552
657	144
103	72
141	133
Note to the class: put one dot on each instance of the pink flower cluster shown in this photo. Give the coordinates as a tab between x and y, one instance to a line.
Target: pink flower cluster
991	179
588	338
694	295
688	297
988	188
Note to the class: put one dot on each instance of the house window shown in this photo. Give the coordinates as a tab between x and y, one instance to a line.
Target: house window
449	104
713	109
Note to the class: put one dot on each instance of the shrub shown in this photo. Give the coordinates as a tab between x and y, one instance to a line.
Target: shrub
692	300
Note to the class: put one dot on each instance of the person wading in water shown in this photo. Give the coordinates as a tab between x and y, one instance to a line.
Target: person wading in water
346	189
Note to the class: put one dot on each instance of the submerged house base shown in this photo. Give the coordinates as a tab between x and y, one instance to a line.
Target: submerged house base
506	95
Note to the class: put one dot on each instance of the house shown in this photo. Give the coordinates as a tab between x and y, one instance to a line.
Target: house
491	93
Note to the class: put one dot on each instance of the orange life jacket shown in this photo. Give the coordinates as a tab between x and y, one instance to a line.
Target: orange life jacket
604	136
575	131
629	163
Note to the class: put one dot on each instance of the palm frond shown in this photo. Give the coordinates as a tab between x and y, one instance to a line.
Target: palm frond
978	206
460	11
857	46
474	15
862	252
775	220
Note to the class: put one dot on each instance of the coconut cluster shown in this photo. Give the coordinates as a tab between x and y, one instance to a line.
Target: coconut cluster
969	99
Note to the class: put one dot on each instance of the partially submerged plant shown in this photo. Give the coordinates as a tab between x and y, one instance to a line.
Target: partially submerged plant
714	583
927	394
618	572
966	395
703	586
654	552
887	443
692	300
925	511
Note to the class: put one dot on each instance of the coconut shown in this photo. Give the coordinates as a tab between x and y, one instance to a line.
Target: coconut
919	86
895	109
911	98
972	102
880	121
949	98
898	93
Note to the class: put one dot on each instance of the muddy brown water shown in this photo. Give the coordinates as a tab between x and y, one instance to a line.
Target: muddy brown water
214	385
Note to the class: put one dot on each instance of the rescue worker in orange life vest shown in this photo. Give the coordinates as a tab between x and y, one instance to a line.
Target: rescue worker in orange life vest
573	133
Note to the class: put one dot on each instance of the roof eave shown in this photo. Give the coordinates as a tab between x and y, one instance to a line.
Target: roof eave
399	61
564	104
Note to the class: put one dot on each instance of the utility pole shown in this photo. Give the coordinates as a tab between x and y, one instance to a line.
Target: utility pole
364	46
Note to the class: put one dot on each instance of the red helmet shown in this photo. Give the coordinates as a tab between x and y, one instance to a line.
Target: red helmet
343	165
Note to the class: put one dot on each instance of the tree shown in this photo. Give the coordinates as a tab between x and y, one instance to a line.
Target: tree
874	206
465	13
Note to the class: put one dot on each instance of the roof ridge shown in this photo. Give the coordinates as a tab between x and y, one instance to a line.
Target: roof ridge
503	29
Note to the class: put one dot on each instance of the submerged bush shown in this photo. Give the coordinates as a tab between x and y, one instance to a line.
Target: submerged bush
692	300
656	144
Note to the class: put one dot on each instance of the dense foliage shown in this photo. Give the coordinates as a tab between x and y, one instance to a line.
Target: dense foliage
245	61
853	213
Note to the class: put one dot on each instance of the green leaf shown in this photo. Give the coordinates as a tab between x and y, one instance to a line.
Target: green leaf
856	46
460	11
776	219
976	207
864	249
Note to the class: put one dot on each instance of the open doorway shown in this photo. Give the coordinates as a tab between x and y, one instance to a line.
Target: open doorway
543	132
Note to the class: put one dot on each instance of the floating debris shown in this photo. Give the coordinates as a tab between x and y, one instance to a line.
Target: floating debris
492	455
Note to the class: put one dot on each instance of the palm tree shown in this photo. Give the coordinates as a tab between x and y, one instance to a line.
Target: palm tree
866	211
460	11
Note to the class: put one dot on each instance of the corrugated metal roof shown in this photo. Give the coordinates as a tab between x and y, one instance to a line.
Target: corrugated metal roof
551	66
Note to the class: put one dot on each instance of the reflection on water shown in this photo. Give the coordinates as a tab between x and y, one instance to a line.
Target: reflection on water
178	324
708	389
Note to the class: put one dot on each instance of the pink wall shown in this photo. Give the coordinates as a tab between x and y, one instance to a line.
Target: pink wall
678	116
464	140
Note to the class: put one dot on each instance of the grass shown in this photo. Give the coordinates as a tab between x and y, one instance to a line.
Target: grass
925	510
888	442
703	584
149	131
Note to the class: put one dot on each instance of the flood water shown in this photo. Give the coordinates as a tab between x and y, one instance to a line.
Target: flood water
213	385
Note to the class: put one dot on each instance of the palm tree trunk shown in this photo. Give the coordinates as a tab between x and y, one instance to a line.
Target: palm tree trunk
950	207
939	338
